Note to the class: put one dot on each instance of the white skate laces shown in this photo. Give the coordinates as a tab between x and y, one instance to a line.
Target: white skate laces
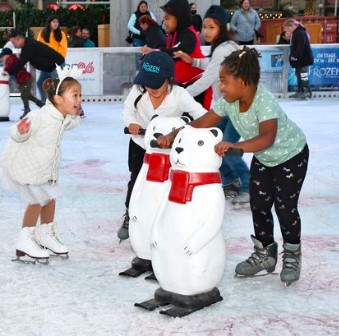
47	235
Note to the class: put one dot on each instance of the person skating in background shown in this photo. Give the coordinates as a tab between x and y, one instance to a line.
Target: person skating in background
23	79
154	35
39	55
181	36
196	18
55	38
30	164
278	167
133	24
234	171
301	57
244	22
152	93
76	40
285	37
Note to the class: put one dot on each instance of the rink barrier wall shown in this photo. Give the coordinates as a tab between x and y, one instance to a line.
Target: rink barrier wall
108	73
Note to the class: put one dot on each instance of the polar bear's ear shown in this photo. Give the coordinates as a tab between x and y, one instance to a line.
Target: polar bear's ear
214	131
186	119
156	115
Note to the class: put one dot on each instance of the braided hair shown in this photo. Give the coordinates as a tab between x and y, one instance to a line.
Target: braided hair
244	63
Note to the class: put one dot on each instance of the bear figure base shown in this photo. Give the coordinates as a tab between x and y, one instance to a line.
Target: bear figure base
183	304
139	266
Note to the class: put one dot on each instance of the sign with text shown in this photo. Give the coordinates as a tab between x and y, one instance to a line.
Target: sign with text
90	62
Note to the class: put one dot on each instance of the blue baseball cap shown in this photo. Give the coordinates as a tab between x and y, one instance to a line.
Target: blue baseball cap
155	68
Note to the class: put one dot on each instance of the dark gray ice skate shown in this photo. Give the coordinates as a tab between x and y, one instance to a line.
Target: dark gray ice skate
291	263
263	259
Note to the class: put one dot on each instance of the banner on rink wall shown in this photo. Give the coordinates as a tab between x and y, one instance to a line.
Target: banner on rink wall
324	74
90	62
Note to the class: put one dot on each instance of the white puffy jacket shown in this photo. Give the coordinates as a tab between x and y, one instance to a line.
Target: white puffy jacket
33	158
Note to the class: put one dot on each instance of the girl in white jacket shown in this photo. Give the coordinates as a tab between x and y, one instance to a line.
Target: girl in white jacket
30	165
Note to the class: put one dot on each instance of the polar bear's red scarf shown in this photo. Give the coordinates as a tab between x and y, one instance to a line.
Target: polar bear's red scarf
158	167
184	182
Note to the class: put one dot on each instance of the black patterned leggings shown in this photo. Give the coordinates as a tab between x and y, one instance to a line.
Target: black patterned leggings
279	186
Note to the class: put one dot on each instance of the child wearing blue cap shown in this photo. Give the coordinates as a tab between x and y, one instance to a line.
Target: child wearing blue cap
153	92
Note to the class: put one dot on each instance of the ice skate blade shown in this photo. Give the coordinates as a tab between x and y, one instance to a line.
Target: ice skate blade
63	256
260	274
34	261
151	304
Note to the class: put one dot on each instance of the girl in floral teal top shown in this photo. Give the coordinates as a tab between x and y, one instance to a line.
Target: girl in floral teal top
278	167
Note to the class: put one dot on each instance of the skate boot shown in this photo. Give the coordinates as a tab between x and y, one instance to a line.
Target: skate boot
291	263
40	103
242	200
232	190
263	259
123	231
27	246
26	111
48	237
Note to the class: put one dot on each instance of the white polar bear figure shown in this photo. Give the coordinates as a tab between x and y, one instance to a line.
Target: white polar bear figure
4	97
188	247
148	192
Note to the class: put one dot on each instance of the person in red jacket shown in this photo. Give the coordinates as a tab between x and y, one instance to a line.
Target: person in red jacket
23	79
181	36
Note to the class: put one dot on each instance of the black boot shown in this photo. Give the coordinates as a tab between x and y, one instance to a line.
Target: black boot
123	231
26	111
40	103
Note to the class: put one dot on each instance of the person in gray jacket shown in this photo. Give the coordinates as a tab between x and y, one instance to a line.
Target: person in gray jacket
234	171
245	21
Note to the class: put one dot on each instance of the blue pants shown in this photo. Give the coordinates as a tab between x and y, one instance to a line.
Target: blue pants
233	167
43	76
138	43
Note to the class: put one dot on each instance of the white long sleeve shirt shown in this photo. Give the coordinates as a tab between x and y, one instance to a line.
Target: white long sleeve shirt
177	101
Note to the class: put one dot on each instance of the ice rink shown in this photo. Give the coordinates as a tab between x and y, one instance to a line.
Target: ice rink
85	296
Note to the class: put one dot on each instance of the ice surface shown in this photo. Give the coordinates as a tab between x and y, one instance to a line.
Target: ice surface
85	296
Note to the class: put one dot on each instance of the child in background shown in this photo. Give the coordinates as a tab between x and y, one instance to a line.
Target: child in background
23	79
181	36
153	92
278	167
234	171
30	165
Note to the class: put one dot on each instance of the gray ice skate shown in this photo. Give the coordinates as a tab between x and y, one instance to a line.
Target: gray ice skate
291	263
123	232
263	259
241	201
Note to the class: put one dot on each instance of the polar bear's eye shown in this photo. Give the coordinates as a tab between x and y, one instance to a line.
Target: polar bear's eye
179	140
200	143
153	128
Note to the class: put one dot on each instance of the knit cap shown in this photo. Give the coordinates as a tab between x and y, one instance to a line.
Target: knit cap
218	13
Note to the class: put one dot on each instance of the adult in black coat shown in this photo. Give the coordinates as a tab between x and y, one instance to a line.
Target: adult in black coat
154	36
196	18
76	39
301	57
38	54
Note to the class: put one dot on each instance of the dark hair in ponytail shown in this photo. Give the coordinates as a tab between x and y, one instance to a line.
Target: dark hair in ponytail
244	63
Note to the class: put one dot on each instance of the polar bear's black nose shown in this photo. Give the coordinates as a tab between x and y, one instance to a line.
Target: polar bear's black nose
179	149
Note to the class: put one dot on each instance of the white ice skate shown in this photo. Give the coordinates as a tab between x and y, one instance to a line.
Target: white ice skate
47	236
27	246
